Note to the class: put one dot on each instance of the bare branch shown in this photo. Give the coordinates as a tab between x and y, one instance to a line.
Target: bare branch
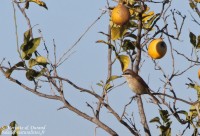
55	97
26	17
68	50
109	68
91	108
195	61
124	111
198	23
66	103
195	8
92	119
120	120
175	98
136	69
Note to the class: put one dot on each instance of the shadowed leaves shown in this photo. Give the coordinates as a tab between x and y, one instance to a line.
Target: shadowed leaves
124	61
9	71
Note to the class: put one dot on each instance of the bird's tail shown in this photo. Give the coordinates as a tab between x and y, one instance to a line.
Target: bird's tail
156	101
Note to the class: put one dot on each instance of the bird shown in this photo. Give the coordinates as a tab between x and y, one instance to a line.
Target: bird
137	84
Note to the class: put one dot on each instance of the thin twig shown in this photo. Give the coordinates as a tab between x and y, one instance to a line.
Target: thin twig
26	17
16	30
109	68
68	50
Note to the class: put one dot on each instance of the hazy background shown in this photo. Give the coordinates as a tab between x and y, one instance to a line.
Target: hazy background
65	21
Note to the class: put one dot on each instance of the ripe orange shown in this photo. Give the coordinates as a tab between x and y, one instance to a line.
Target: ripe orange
157	48
199	73
120	14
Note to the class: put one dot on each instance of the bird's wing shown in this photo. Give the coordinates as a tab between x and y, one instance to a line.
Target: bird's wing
142	81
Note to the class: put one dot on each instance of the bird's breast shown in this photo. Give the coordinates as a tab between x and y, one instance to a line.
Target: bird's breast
136	86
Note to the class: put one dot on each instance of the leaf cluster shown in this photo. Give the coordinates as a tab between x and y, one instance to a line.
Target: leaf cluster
29	47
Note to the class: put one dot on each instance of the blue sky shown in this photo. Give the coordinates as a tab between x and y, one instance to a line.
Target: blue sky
65	21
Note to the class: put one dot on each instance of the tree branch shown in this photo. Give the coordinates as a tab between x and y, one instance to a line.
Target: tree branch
136	69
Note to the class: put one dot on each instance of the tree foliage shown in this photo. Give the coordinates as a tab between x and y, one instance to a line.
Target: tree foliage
127	48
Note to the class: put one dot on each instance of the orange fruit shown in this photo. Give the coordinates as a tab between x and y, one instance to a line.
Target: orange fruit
157	48
199	73
120	14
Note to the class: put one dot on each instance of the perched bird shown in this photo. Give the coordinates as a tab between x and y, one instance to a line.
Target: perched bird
137	84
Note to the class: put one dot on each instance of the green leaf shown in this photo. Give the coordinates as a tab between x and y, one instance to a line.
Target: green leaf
165	130
32	45
41	60
183	112
150	21
198	124
29	47
40	3
9	71
112	78
27	36
109	44
193	112
131	2
195	133
41	72
131	35
99	84
31	74
137	9
193	39
192	5
124	61
19	64
117	32
156	119
164	115
133	24
147	16
27	5
12	125
198	42
15	128
128	45
108	86
26	56
32	62
22	46
168	132
2	129
196	87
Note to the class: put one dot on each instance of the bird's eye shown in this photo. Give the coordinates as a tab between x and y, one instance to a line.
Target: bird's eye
126	73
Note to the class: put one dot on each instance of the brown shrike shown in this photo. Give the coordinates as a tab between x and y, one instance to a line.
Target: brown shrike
137	84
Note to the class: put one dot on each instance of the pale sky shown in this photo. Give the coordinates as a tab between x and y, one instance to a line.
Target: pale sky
65	21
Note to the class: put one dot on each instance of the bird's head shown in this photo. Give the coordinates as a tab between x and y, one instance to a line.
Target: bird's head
128	73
